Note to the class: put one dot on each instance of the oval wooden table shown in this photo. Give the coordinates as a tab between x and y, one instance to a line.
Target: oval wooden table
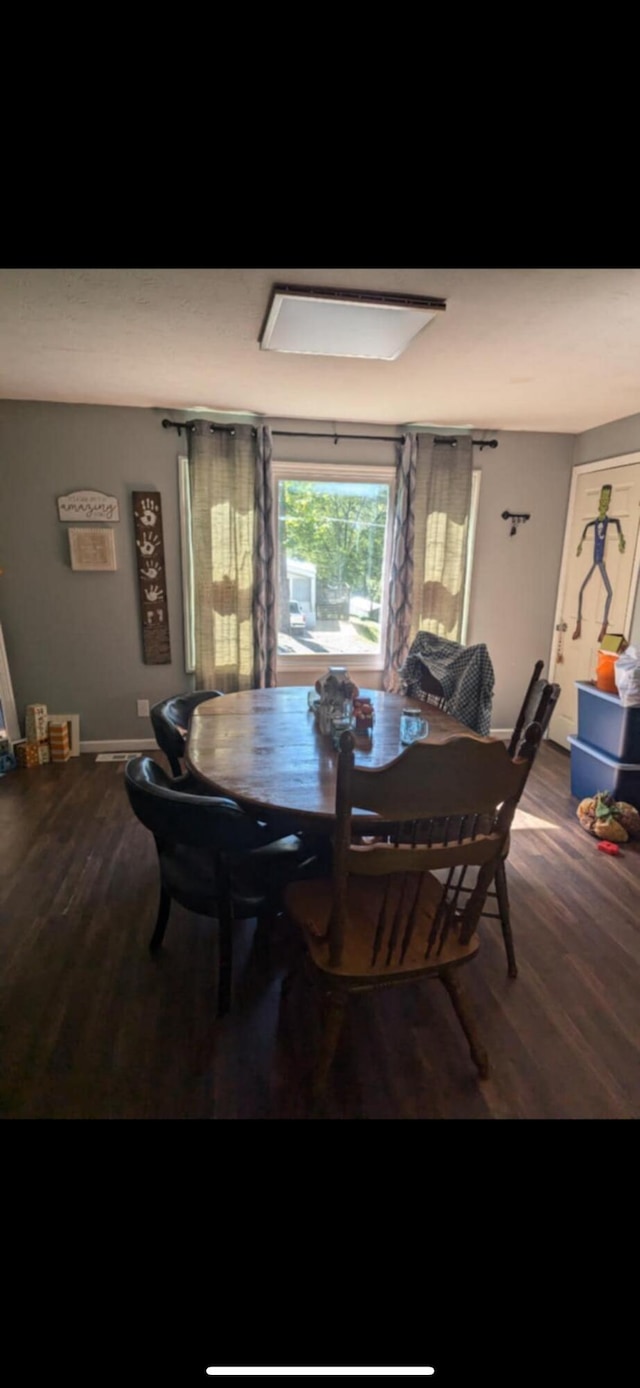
263	749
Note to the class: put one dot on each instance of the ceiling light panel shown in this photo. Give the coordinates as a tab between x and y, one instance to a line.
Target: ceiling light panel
330	323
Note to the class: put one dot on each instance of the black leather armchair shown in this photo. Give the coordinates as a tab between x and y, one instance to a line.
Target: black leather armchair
213	858
170	722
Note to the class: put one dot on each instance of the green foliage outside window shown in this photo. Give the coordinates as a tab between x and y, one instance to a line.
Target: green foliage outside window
339	527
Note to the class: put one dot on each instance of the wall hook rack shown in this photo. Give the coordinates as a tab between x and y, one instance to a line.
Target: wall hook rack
516	518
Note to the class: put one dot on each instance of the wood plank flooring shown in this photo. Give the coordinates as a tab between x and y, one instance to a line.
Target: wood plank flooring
92	1027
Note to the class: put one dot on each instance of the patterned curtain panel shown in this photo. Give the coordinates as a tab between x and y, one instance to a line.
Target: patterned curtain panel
222	475
444	480
402	565
264	600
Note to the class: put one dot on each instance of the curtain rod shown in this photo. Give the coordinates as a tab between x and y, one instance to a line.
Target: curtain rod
190	424
378	438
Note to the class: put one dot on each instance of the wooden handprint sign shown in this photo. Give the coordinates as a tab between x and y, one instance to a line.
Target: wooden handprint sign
147	517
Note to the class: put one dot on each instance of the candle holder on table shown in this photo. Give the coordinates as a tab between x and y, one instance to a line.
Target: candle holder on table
336	691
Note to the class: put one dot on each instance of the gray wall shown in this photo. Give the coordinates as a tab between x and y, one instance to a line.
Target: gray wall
608	440
515	580
73	639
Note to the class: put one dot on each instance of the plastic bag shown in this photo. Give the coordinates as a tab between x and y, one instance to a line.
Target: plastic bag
627	677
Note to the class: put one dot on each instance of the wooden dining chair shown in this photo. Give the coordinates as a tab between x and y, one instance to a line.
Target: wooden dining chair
530	706
383	918
537	710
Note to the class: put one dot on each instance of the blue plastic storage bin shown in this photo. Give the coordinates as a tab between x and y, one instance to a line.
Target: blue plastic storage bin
592	770
605	724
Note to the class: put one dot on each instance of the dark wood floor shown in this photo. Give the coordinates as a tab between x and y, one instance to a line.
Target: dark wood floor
94	1028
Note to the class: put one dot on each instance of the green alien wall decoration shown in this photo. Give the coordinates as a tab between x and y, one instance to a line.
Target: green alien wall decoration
601	525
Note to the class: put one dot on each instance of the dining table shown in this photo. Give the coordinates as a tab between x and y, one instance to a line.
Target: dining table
263	749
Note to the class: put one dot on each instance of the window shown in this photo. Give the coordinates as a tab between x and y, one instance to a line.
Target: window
333	537
333	547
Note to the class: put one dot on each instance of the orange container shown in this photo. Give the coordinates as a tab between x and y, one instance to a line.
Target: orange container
605	676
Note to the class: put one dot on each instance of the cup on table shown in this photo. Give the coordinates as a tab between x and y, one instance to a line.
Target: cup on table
338	727
413	726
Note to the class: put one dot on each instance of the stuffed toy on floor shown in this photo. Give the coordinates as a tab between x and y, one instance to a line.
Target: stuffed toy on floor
606	818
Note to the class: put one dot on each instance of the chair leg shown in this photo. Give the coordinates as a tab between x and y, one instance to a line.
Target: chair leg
505	918
225	958
161	923
265	925
335	1004
294	968
479	1055
174	763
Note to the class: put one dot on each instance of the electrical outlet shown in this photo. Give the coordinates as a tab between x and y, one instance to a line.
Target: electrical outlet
143	708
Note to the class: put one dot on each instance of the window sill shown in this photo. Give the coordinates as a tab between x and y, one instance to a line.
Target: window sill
323	659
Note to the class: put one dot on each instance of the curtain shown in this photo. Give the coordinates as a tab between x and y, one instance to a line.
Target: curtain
222	476
264	602
443	481
402	564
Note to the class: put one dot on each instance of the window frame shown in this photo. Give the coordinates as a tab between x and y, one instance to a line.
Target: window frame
341	472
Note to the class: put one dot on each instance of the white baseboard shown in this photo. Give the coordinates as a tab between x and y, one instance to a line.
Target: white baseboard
121	744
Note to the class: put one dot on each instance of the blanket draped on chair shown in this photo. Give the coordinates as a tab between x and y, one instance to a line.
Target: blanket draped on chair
465	673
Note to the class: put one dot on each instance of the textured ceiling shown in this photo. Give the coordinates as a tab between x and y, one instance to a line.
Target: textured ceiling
551	350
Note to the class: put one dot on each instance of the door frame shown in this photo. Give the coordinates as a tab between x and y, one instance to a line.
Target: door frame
600	464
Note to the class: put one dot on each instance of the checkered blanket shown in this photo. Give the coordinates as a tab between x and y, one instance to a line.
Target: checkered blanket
465	673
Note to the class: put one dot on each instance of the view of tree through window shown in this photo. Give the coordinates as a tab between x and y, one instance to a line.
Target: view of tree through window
331	550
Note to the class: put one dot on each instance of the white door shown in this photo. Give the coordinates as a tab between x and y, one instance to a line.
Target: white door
601	562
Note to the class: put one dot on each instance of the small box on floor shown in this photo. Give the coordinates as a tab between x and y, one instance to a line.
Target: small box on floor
35	723
26	753
59	742
44	753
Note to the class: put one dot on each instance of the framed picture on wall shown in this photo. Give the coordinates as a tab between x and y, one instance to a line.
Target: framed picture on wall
92	549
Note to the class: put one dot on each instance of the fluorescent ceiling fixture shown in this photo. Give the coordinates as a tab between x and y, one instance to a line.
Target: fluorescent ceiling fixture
213	409
441	428
343	322
386	1373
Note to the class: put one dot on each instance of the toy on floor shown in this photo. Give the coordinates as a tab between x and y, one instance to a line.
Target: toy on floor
611	820
606	847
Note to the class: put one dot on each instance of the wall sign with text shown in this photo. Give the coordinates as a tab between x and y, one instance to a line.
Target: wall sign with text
147	519
88	506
